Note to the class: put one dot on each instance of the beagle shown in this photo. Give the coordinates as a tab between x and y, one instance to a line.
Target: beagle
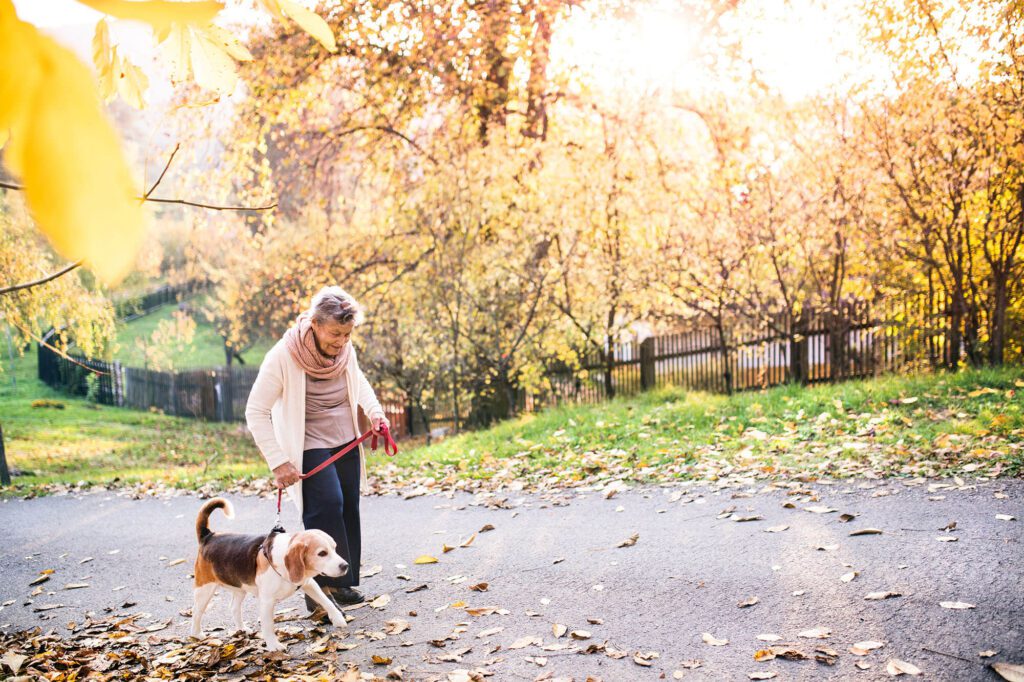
270	566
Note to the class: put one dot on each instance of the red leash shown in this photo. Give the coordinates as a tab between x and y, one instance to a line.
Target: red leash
390	449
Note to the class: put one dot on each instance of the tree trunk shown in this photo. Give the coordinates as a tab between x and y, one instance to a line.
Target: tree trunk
997	321
5	474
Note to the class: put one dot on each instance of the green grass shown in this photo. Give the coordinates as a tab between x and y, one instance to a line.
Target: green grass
100	444
967	422
934	425
206	349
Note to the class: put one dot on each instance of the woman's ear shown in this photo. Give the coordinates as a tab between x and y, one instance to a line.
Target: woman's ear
295	560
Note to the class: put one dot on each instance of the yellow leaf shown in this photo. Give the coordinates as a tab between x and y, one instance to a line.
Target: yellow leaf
380	660
229	43
103	58
212	66
131	83
310	22
159	14
175	47
77	183
425	559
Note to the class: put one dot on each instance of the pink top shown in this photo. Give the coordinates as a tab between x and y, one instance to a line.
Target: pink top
328	414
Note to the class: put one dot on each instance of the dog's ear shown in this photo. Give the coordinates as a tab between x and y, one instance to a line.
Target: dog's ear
295	559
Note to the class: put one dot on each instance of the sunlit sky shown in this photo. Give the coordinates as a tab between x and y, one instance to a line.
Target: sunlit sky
796	45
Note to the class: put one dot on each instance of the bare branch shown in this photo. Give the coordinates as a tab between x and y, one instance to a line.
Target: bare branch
44	280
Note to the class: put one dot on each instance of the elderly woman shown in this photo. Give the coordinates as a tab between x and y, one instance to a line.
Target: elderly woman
302	409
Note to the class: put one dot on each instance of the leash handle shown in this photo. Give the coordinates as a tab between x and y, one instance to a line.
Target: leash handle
390	449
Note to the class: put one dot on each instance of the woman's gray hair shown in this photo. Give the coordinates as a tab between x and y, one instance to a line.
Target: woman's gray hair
335	304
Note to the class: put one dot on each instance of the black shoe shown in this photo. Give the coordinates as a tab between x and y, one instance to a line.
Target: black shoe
343	596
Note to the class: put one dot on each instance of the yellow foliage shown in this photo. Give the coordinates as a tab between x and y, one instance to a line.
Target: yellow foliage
310	22
116	74
159	14
77	183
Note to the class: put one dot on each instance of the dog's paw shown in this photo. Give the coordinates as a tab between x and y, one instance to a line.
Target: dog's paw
338	619
275	646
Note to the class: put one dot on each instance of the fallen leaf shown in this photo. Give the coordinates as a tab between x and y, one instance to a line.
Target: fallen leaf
848	577
897	667
987	654
820	510
75	586
789	653
947	538
371	571
416	589
816	633
764	655
537	660
13	661
479	587
396	627
380	660
39	581
776	529
764	675
381	601
489	632
748	602
595	621
631	541
557	629
468	542
747	518
866	531
1006	517
425	559
487	527
846	518
955	605
523	642
712	640
769	638
878	596
580	634
863	648
826	655
446	548
1014	672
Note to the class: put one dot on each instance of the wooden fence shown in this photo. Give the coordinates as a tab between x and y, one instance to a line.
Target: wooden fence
855	340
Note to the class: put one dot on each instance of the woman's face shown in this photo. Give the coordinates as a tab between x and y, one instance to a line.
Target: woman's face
332	336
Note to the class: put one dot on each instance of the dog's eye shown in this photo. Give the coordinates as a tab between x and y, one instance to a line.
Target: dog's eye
322	552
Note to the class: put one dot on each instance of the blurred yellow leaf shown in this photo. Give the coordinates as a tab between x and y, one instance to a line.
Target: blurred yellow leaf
204	53
77	183
310	22
115	73
158	13
425	559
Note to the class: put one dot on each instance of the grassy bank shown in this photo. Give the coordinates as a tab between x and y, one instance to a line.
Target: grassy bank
970	422
206	349
934	425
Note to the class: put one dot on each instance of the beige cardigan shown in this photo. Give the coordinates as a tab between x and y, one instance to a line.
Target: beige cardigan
276	410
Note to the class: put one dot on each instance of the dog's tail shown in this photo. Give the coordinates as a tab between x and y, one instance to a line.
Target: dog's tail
203	520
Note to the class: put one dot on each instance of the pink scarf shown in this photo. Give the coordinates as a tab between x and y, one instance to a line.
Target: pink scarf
302	346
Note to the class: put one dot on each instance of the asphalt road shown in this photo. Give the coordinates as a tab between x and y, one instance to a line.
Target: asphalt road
551	561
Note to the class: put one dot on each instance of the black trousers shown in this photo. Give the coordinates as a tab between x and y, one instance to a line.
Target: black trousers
330	502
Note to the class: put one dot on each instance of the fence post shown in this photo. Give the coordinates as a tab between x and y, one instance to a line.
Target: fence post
799	359
648	376
208	396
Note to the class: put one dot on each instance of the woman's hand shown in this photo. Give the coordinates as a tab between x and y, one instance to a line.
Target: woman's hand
286	475
377	422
